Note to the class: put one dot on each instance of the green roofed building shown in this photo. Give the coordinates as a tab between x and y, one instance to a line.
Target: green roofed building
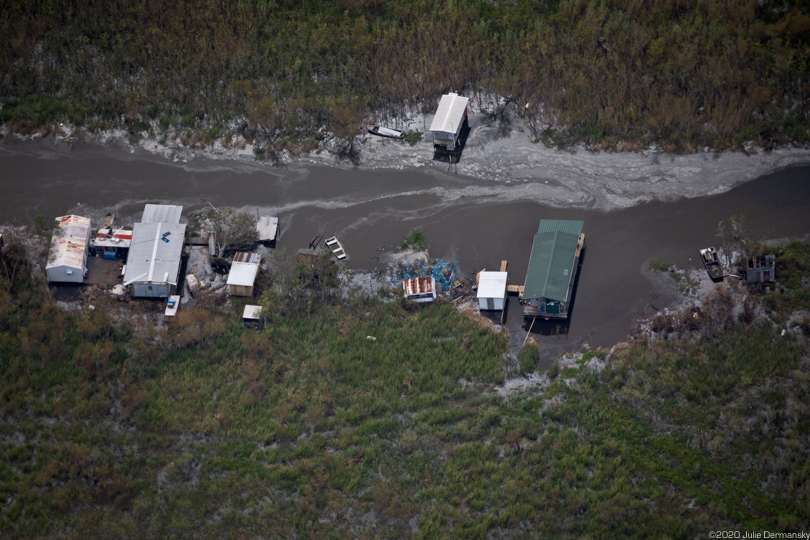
552	268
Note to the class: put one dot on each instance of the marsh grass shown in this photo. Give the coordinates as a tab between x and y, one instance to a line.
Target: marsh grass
209	429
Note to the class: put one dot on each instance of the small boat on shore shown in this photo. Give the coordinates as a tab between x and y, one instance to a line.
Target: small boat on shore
712	263
336	247
385	132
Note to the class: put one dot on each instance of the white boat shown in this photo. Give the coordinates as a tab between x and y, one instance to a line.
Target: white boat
385	132
336	247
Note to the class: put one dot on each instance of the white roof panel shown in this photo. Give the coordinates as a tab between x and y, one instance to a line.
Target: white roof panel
450	114
243	274
492	284
267	227
69	242
252	312
161	213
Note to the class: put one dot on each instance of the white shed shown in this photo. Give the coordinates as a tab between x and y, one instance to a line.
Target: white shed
449	119
67	259
243	273
252	317
492	290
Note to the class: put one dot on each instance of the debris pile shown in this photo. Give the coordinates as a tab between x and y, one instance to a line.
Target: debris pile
443	272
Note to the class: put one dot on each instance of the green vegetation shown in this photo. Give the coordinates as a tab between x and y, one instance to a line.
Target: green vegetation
414	240
413	137
115	427
659	267
610	73
528	357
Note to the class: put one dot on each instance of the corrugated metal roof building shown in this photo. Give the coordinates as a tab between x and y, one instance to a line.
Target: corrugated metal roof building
161	213
421	289
67	258
552	268
243	273
153	264
449	119
492	290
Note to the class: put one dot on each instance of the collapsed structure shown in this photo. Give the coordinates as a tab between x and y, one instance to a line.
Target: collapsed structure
421	289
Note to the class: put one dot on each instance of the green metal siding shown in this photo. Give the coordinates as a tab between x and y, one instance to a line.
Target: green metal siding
551	266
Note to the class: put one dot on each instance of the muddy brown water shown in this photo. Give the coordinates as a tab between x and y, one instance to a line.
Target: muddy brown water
370	210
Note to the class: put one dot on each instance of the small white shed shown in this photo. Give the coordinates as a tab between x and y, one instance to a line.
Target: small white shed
449	119
243	273
492	290
252	317
67	258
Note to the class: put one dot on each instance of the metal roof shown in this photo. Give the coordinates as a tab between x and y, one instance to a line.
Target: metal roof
450	113
492	284
69	242
418	285
551	266
252	312
267	227
161	213
151	259
562	225
244	269
246	257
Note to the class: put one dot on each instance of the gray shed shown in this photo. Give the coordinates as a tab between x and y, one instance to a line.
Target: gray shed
153	264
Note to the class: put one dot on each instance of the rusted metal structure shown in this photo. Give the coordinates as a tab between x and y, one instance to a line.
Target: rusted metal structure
421	289
67	258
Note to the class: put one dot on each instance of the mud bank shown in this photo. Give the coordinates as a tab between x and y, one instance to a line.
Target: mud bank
504	156
475	221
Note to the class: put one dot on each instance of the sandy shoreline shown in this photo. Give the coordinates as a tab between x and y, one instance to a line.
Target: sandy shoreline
506	163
